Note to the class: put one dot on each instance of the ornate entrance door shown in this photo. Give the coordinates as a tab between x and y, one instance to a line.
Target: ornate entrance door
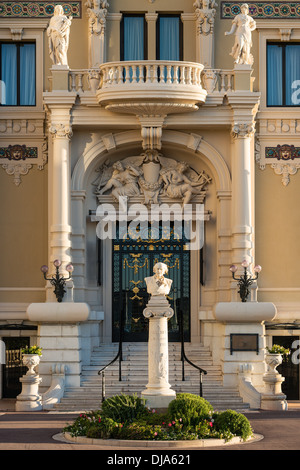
133	260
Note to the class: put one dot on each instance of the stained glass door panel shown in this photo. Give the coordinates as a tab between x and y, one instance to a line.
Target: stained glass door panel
133	260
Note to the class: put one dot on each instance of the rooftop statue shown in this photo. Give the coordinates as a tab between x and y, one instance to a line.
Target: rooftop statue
158	284
242	26
58	34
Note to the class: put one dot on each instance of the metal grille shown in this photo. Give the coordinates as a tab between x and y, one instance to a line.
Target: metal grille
133	260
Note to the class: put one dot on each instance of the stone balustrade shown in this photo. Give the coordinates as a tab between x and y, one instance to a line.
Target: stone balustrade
151	75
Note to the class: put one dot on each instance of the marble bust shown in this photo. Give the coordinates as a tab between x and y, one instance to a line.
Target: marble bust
158	284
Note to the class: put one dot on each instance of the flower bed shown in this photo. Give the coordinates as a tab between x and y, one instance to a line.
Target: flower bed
188	417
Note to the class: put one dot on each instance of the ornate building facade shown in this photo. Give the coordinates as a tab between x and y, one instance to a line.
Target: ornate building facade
156	104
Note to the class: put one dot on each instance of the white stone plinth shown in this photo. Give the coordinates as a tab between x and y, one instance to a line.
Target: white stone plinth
244	312
29	399
158	392
55	312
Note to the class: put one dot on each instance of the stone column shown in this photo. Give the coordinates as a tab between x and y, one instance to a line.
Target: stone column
59	179
151	19
158	392
242	192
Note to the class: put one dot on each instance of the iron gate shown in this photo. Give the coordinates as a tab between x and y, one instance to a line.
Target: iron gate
133	260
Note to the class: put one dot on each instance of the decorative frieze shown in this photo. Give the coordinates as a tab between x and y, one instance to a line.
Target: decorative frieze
38	9
282	152
18	152
262	10
284	159
18	159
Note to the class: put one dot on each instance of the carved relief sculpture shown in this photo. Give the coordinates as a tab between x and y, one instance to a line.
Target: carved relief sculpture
97	12
58	33
242	26
152	176
205	13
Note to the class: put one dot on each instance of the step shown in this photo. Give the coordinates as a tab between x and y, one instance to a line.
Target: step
134	370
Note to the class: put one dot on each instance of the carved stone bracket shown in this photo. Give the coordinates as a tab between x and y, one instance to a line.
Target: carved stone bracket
151	131
285	169
17	169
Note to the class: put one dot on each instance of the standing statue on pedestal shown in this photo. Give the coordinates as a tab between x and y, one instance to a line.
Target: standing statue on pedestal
242	26
58	33
158	284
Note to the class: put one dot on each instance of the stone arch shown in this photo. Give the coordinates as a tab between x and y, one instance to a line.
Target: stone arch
191	142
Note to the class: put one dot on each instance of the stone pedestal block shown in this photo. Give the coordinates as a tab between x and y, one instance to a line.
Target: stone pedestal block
29	399
158	392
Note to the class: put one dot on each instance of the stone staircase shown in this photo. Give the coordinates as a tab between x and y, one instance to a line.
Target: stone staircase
135	377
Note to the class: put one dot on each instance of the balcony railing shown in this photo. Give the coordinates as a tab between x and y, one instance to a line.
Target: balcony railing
151	73
148	75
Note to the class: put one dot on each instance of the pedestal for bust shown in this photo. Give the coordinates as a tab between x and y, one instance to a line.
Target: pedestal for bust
158	392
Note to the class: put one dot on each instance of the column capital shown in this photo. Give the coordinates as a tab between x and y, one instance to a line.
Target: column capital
242	130
151	16
63	131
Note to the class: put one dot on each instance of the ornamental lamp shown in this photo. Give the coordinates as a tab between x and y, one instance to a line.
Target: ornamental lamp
57	280
245	280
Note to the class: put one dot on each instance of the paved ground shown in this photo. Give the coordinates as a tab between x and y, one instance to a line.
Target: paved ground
36	431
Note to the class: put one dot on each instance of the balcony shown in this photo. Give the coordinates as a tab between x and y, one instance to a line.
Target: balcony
151	87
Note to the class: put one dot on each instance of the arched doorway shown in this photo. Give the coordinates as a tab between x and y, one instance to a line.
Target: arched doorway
133	260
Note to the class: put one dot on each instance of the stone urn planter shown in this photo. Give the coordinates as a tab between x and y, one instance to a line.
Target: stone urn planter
273	360
31	361
273	398
30	399
274	357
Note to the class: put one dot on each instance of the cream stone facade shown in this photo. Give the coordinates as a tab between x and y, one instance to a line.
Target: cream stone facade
103	126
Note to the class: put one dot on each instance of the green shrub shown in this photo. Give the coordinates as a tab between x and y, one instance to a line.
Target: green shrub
188	417
124	408
105	428
231	423
192	409
82	423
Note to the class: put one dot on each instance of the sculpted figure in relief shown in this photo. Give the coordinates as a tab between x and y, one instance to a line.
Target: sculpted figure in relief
123	181
58	33
178	185
242	26
158	284
152	176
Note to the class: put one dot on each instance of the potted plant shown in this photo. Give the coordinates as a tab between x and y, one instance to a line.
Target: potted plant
274	357
31	358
